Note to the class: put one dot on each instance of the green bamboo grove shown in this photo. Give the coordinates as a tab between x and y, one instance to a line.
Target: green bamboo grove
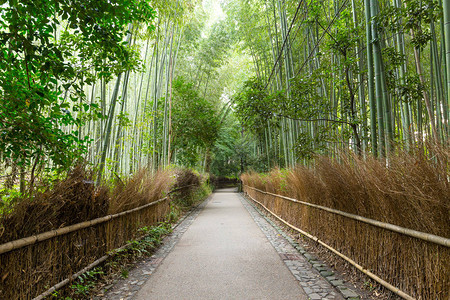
370	75
220	86
119	86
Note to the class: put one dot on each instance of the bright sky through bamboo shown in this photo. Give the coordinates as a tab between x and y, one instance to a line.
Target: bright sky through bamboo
214	11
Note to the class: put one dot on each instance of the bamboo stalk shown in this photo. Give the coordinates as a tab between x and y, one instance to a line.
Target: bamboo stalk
398	229
446	26
352	262
380	96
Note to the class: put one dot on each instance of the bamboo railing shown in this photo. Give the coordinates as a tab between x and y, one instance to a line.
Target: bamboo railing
20	243
30	265
406	231
410	263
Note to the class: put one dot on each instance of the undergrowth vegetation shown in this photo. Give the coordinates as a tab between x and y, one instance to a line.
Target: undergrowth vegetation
413	191
76	199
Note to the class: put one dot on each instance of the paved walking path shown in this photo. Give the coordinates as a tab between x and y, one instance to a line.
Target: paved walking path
229	252
223	255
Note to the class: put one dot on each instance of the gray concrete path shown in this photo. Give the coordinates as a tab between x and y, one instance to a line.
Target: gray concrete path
222	255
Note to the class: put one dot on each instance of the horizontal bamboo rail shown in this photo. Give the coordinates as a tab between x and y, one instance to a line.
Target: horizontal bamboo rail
73	277
76	275
402	230
20	243
180	188
348	259
23	242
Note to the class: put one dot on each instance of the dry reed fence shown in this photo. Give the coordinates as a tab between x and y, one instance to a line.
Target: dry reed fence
38	265
413	193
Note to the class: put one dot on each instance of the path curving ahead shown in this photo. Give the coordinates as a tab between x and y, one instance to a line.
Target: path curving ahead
222	255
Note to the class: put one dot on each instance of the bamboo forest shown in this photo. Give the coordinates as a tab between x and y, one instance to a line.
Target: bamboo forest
128	114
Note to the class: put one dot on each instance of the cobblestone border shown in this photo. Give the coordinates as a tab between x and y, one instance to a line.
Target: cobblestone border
126	288
316	278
